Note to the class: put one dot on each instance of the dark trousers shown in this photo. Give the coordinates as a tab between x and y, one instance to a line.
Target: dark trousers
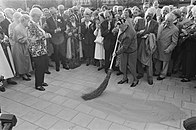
149	70
58	55
40	64
108	54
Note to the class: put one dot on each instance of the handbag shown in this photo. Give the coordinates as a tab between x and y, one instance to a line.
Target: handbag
99	40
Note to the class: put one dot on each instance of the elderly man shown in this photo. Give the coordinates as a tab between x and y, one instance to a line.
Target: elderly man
56	27
148	45
61	10
167	38
109	38
165	10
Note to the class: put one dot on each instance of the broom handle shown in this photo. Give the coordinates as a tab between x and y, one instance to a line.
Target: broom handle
115	48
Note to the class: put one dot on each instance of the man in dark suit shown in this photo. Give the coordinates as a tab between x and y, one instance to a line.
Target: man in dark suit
87	30
145	51
56	27
109	39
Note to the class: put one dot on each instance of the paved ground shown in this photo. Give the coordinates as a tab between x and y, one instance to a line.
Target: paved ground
57	109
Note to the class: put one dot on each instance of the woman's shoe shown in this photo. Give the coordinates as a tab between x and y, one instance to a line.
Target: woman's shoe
119	73
40	88
134	84
123	81
2	89
28	75
44	84
185	80
100	68
26	78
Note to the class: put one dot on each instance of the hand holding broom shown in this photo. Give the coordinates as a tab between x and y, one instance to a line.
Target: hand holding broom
96	93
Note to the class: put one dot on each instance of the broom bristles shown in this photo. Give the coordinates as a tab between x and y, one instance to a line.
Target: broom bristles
96	93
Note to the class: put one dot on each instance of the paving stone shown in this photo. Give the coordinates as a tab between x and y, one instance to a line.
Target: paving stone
26	126
190	106
83	108
135	125
166	93
67	114
115	126
99	124
115	119
98	113
82	119
62	125
46	121
53	109
152	126
71	103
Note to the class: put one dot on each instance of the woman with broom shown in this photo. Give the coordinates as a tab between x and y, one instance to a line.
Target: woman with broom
127	51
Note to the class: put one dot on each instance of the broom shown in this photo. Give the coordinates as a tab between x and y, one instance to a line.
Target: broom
96	93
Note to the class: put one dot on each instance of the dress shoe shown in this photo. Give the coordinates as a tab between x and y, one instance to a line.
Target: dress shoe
185	80
150	82
47	72
119	73
134	84
160	78
87	64
26	78
100	68
106	71
44	84
57	69
66	67
28	75
40	88
139	76
9	81
123	81
2	89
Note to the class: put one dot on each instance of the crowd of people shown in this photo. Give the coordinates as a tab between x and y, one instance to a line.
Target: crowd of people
158	41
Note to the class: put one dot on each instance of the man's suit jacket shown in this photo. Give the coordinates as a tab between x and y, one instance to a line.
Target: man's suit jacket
5	25
109	38
51	25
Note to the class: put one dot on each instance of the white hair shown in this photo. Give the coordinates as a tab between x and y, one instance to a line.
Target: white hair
35	12
193	10
170	17
16	16
8	11
150	10
165	8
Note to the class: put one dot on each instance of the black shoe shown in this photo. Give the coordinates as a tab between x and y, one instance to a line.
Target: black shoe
150	82
185	80
160	78
134	84
123	81
106	71
57	69
119	73
139	76
28	75
44	84
9	81
2	89
26	78
100	68
87	64
47	72
66	67
40	88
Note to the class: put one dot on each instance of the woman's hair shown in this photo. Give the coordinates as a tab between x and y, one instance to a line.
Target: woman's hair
128	10
35	12
24	18
101	14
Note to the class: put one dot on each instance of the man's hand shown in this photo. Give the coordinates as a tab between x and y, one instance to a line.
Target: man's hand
167	51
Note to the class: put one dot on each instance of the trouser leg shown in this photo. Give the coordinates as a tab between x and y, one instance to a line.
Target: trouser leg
40	67
140	68
164	69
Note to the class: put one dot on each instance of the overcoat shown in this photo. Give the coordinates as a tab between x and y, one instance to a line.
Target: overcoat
167	38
